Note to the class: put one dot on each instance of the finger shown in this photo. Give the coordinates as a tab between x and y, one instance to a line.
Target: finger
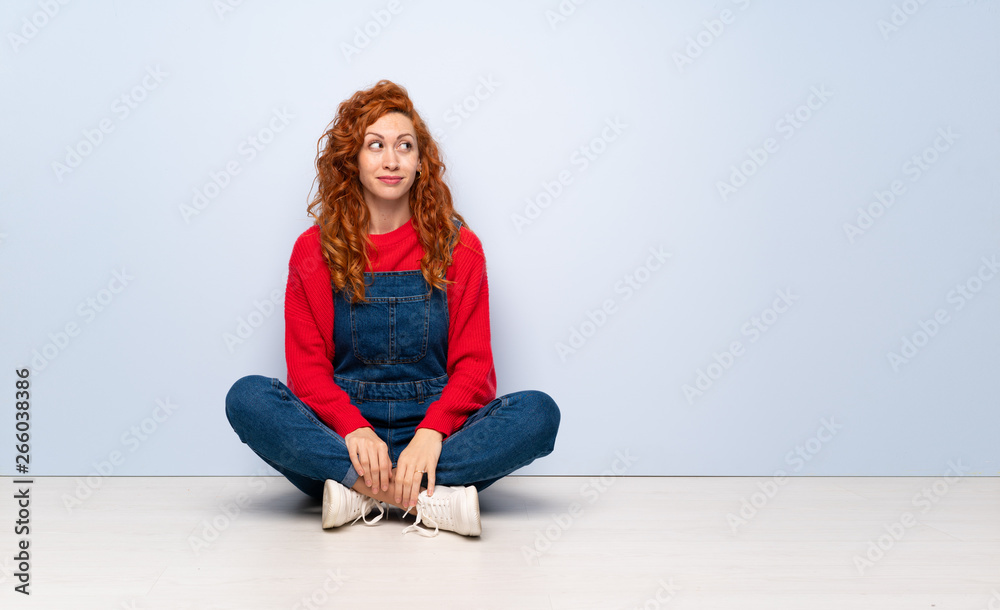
365	460
355	461
350	453
381	467
414	486
430	482
400	489
354	451
386	468
373	462
407	501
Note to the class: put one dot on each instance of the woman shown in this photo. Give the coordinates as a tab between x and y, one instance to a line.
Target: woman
391	394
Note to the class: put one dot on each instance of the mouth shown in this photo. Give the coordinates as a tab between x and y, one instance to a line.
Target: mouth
391	179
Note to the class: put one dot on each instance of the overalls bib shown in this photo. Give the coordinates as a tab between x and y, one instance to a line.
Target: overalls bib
391	353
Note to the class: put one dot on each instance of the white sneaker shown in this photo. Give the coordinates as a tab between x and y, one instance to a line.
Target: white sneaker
450	508
341	504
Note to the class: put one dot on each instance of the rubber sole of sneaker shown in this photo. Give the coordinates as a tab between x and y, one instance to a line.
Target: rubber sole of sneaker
472	506
331	503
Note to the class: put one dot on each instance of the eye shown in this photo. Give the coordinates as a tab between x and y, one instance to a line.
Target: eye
374	143
408	145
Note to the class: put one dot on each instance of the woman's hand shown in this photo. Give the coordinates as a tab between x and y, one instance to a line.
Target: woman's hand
421	454
370	457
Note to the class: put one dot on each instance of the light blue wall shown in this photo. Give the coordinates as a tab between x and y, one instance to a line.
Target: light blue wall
589	150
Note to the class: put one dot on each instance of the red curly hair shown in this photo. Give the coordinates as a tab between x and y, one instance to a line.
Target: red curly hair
339	205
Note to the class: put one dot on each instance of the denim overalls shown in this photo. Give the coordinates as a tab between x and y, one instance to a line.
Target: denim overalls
392	352
391	357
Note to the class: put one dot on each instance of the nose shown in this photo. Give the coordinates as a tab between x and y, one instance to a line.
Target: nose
390	160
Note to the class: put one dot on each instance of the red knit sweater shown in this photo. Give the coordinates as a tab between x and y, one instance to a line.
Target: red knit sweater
309	348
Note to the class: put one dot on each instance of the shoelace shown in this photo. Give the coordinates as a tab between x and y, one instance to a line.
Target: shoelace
439	511
367	504
416	525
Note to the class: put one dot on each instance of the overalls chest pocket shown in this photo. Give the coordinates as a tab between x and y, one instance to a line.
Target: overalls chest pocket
391	329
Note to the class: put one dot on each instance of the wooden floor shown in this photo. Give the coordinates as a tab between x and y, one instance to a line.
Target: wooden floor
547	542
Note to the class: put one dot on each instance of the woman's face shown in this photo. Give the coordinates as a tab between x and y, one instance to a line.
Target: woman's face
389	160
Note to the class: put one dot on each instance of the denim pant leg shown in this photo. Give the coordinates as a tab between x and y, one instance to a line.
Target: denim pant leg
287	434
507	433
